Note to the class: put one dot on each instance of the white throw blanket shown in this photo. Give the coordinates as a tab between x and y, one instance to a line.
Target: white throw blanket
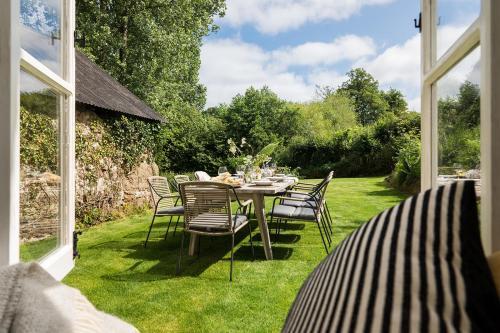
31	300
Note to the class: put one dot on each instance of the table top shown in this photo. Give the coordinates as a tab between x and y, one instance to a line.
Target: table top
276	188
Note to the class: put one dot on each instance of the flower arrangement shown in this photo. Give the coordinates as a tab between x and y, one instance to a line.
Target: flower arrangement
249	160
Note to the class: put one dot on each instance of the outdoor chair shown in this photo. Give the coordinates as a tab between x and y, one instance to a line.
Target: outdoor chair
202	176
310	207
179	179
305	190
208	212
164	202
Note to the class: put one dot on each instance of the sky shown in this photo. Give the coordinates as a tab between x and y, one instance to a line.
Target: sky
292	46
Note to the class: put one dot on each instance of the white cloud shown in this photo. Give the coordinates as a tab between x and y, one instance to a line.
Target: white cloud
274	16
230	66
349	47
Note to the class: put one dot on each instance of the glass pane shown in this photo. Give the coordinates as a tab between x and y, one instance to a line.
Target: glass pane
458	99
453	18
41	31
40	185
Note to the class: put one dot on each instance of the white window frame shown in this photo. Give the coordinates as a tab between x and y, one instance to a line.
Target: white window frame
485	31
12	59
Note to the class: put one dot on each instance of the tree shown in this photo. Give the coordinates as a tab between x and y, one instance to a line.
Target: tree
260	116
369	103
459	132
319	120
150	46
396	101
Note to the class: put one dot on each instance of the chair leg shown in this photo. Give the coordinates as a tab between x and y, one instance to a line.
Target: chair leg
176	223
149	232
251	242
327	234
199	245
178	270
232	258
330	220
278	223
168	227
322	238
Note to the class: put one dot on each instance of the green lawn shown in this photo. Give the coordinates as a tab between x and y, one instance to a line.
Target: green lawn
139	285
37	249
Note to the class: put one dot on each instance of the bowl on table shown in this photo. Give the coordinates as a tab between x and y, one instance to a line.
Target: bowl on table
263	182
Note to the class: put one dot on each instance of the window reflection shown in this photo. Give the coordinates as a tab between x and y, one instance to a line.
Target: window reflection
458	97
41	31
40	185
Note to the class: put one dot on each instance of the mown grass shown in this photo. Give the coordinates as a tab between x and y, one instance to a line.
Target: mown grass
139	284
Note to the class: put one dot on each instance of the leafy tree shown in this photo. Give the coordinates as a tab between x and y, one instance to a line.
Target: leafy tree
459	121
369	102
150	46
260	116
319	120
395	101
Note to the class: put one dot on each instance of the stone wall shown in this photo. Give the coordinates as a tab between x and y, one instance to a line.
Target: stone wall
103	186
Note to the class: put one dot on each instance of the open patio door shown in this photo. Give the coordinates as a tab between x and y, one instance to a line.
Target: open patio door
461	101
37	89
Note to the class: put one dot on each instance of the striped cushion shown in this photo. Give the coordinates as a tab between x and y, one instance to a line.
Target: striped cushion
416	267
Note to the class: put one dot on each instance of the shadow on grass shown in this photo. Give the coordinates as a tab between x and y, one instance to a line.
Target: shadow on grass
165	254
283	238
244	253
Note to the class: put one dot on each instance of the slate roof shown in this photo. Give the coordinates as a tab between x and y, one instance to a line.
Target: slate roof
97	88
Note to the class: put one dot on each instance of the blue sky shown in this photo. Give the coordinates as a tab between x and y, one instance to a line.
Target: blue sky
294	45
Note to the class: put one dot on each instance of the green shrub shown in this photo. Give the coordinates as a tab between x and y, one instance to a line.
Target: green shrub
406	175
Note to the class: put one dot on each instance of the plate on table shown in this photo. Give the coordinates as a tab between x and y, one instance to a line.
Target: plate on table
281	175
276	179
263	182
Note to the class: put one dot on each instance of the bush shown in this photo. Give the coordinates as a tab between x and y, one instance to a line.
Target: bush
358	151
406	175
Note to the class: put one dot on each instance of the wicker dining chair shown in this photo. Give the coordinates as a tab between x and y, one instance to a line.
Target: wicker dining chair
208	212
305	191
202	176
164	202
309	208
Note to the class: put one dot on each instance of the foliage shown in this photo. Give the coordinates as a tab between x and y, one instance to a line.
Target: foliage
133	138
39	141
319	119
357	151
459	132
190	141
150	46
257	160
406	175
260	116
369	102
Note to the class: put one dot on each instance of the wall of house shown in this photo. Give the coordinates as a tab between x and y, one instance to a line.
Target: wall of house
106	186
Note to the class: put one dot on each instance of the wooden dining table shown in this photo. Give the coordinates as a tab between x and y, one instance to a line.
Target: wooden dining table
257	194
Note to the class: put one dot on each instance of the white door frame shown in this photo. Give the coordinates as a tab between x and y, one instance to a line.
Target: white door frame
12	59
9	132
486	32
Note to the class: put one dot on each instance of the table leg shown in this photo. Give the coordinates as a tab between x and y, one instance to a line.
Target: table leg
260	213
193	244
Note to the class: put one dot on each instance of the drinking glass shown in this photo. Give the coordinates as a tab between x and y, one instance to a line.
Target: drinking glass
222	170
273	167
240	170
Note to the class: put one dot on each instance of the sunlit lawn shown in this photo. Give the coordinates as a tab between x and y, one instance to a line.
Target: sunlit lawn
139	285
